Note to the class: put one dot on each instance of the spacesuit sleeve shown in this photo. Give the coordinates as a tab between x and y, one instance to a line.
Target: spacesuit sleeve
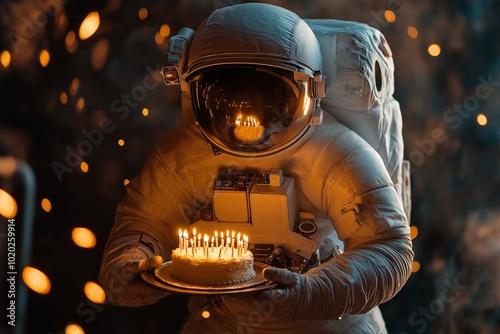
145	225
368	215
358	196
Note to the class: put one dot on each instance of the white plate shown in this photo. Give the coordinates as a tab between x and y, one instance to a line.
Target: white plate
162	279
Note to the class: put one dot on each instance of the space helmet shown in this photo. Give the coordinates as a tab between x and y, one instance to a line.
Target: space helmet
253	72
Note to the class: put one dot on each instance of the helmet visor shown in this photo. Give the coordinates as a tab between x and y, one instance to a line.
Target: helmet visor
248	110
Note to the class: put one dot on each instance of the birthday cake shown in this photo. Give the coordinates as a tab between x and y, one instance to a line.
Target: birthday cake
227	261
216	268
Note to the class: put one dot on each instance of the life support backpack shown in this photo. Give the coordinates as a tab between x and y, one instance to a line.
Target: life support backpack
359	67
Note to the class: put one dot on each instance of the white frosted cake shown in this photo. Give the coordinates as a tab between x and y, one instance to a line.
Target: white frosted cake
211	266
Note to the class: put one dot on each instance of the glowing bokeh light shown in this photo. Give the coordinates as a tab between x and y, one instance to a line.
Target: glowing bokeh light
99	55
143	13
84	167
73	329
126	181
434	50
63	97
8	205
121	142
44	57
89	25
415	266
36	280
80	104
70	37
412	32
63	21
413	232
159	39
46	205
165	30
390	16
145	112
205	314
482	119
8	166
94	293
75	86
71	42
83	237
5	58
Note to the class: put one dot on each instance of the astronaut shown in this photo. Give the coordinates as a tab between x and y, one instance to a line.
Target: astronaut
253	81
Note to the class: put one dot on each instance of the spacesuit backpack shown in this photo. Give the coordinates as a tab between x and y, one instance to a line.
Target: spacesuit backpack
358	64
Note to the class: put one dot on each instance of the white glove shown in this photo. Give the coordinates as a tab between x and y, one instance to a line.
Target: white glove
123	284
308	296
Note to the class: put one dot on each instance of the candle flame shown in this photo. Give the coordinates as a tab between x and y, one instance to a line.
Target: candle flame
210	244
250	121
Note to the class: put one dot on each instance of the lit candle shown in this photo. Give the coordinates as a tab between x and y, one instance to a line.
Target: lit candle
216	239
212	245
232	240
185	241
228	242
205	244
245	244
194	234
199	240
238	244
222	239
192	245
181	246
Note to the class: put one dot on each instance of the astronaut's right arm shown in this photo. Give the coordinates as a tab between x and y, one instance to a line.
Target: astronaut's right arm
142	234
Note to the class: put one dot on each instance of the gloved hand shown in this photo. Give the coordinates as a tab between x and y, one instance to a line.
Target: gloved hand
123	284
308	296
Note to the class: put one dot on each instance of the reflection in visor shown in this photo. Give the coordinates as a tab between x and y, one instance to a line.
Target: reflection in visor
249	109
248	130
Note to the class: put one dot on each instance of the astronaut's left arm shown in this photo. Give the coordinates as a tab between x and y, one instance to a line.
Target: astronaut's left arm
368	216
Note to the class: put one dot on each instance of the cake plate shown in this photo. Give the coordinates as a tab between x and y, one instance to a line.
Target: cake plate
160	278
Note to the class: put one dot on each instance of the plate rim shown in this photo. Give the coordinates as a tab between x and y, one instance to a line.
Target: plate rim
151	278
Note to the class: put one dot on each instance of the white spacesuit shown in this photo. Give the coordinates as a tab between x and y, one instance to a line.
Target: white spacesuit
253	74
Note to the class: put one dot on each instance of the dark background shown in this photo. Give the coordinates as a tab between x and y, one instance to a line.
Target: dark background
455	176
